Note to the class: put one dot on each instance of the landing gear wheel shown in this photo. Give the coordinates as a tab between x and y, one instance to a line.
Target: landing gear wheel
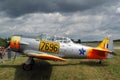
27	67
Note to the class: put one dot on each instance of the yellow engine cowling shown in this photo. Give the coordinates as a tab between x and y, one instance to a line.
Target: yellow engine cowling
15	42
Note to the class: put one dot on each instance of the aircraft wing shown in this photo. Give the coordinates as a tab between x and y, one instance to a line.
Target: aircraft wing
42	55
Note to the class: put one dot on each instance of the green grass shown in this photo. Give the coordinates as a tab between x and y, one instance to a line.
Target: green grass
117	44
74	69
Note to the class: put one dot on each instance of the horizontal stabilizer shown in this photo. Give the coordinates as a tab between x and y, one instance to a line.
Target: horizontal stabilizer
110	56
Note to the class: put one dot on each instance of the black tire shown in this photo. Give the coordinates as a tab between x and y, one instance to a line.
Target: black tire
27	67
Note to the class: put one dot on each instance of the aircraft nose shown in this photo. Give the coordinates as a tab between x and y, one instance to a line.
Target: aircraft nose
15	42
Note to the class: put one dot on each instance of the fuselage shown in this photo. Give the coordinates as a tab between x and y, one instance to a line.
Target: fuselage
61	48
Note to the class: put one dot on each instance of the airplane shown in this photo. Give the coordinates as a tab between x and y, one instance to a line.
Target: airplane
58	49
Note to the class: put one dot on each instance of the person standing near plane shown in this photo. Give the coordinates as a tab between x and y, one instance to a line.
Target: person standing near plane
2	53
9	53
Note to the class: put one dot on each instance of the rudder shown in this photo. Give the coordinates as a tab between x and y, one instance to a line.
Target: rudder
106	44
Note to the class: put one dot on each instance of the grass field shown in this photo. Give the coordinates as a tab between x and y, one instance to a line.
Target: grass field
74	69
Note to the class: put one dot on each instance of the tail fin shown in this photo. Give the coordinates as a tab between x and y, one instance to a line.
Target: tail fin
106	44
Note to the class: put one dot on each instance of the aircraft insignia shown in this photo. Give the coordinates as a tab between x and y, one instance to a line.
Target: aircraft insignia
82	51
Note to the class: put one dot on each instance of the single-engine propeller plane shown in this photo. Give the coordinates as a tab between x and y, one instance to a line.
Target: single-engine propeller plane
57	49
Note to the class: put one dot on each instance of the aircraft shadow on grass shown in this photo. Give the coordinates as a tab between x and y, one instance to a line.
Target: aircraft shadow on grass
89	63
93	63
42	70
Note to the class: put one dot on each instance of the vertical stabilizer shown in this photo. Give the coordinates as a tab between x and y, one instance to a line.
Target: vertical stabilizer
106	44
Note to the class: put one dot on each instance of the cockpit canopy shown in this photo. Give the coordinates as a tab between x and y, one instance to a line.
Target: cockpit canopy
54	38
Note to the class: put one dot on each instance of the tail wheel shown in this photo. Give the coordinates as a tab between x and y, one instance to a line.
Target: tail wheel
100	62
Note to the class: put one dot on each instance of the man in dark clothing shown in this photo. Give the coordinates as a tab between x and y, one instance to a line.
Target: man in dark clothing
9	53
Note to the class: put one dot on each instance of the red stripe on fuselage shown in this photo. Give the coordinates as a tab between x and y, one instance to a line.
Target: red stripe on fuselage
96	54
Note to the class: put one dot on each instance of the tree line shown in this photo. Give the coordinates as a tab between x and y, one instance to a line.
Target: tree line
4	42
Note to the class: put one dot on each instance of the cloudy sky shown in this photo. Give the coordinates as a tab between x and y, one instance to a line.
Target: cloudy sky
84	19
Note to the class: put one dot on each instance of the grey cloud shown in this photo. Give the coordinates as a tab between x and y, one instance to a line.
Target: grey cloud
19	7
84	19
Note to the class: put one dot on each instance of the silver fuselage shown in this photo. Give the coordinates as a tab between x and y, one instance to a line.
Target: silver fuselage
67	50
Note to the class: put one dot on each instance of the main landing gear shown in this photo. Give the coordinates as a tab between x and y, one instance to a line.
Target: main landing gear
28	64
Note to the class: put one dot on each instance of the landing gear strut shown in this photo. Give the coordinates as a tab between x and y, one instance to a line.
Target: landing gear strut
28	64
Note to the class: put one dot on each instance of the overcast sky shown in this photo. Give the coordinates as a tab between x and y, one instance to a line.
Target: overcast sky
77	19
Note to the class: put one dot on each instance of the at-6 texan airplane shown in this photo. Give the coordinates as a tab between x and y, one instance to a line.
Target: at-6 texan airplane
57	49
